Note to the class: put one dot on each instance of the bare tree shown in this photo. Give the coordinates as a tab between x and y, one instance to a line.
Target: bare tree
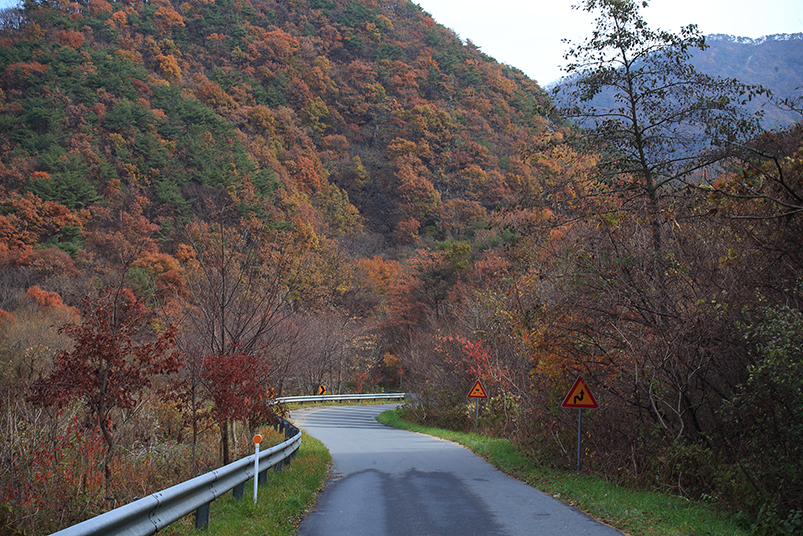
236	274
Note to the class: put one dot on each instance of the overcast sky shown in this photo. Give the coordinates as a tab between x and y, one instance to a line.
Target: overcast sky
527	33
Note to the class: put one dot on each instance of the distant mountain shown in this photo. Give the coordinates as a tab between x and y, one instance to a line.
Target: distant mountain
774	61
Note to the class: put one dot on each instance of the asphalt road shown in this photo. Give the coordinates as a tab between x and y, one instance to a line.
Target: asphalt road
389	482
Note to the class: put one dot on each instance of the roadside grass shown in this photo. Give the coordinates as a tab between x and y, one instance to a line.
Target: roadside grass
631	511
281	502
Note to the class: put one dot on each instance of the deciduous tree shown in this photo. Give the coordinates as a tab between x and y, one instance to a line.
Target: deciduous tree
110	367
666	120
235	295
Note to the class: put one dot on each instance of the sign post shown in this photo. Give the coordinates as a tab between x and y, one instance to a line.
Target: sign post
257	441
477	392
579	397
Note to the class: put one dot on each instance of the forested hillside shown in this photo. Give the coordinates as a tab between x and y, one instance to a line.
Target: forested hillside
360	105
206	204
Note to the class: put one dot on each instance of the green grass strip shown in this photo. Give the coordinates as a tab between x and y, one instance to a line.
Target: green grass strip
631	511
281	504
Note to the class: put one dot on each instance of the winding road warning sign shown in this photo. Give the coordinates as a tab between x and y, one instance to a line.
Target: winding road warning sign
580	396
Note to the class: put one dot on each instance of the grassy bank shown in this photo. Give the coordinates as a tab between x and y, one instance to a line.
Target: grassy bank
282	500
631	511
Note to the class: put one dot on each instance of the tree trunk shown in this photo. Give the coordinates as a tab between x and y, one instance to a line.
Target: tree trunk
224	441
194	417
107	458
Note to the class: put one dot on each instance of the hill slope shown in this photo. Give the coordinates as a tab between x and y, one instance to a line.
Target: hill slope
323	104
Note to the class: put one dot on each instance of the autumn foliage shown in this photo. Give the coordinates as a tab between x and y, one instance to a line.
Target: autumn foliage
44	298
236	386
109	369
346	193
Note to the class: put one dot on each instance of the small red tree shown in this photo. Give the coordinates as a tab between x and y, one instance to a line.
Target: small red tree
237	385
109	367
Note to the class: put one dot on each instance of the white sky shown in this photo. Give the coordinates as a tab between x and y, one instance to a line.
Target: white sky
527	33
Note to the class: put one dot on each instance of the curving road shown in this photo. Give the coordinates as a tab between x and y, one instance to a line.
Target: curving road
389	482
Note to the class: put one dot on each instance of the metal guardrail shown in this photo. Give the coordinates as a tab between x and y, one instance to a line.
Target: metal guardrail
149	514
341	398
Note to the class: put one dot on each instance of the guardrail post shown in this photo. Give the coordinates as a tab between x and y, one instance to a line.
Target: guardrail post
202	517
262	477
278	466
239	491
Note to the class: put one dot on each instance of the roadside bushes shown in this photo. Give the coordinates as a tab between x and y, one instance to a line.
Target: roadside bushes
86	423
53	474
699	381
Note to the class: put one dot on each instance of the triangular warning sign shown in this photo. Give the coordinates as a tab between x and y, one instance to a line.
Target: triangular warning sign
478	391
580	396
